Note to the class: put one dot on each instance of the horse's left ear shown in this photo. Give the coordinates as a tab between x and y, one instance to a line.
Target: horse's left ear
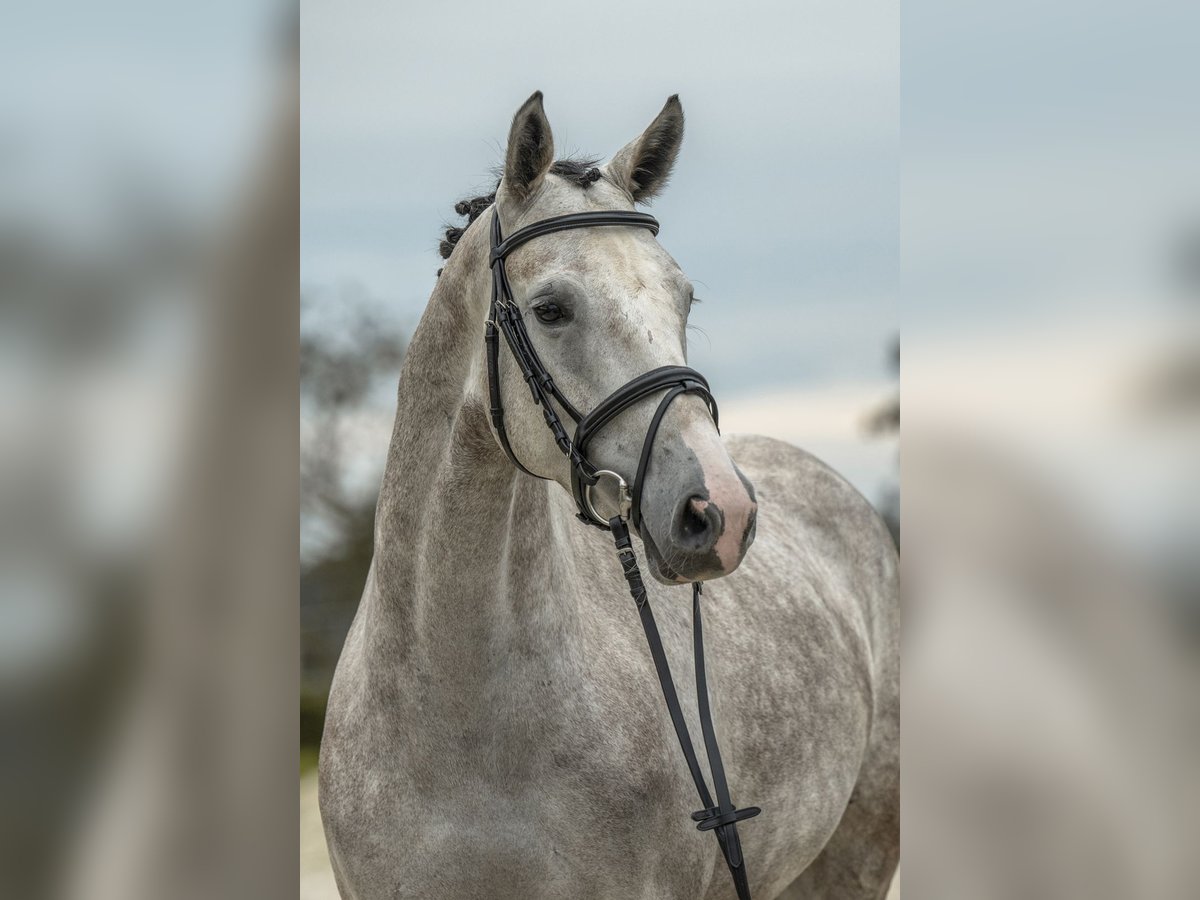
644	165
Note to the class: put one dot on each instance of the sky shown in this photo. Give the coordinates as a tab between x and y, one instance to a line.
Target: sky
783	207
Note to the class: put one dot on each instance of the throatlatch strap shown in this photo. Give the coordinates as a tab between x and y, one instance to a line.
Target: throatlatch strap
720	818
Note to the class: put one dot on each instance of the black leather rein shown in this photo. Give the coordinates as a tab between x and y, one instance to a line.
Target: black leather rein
720	817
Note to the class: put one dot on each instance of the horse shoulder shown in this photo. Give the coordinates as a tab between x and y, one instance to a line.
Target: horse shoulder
819	521
826	552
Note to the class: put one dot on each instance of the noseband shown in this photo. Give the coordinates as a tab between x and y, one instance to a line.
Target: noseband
505	318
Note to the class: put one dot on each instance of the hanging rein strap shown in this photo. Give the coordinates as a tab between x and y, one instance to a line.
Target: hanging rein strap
720	817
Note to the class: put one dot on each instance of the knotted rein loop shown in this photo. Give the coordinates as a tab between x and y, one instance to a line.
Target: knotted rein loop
504	318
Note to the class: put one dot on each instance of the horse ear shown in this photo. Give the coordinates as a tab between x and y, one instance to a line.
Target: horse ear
644	165
530	148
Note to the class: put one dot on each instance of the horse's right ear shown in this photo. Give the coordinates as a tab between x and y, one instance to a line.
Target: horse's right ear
530	149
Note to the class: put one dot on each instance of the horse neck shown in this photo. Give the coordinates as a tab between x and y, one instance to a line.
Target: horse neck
472	563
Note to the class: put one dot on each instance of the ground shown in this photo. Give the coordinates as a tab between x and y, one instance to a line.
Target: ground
316	878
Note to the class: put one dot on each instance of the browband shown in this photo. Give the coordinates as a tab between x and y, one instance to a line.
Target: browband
567	222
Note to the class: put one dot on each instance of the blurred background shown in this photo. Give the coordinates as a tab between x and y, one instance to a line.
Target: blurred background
1051	386
148	422
783	209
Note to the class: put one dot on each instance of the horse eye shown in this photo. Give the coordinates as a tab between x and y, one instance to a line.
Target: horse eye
548	312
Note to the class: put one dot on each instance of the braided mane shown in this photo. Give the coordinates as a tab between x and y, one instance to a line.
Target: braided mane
581	170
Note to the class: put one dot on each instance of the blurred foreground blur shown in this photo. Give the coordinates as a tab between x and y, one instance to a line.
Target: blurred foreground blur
148	263
1051	305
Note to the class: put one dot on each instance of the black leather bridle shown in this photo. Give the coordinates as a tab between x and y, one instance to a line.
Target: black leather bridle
505	319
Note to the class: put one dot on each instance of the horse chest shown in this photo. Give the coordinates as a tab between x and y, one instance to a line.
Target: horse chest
560	822
553	786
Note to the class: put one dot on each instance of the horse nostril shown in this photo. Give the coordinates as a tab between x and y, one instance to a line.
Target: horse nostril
693	523
698	524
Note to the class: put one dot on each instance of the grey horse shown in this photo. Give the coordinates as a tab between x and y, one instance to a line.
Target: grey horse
495	729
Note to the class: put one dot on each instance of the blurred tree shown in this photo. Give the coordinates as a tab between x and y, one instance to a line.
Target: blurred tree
348	371
884	421
1170	391
340	370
